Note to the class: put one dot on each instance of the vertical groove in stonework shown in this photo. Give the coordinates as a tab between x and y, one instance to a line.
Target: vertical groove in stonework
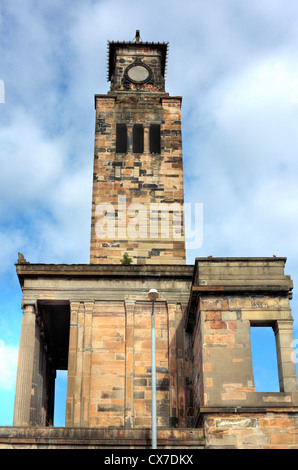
172	361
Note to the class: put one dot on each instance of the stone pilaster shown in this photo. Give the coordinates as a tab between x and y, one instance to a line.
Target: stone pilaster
129	363
72	379
285	350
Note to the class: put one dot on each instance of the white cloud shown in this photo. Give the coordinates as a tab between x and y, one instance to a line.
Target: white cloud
30	163
246	161
12	242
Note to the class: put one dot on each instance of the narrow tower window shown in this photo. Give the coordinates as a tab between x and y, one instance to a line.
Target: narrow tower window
121	138
154	138
138	138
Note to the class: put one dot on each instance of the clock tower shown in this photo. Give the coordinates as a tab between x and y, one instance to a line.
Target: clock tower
137	204
95	320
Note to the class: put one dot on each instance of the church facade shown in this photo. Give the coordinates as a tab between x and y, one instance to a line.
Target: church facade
94	320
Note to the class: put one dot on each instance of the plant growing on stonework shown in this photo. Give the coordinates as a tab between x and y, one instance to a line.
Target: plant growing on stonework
115	87
126	259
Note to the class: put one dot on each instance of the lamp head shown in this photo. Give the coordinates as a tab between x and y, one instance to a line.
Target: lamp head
153	294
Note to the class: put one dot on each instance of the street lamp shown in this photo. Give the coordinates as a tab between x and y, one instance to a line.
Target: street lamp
153	295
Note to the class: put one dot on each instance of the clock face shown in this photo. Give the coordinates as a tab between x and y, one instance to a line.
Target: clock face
138	73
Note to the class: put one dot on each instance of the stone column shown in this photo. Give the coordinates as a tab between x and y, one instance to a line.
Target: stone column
146	138
129	138
25	368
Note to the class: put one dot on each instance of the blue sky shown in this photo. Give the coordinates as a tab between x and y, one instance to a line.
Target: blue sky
235	64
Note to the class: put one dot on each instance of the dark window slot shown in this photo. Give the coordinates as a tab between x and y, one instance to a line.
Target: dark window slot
121	138
154	138
138	138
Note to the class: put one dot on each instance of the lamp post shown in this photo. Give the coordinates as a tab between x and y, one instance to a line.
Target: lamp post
153	295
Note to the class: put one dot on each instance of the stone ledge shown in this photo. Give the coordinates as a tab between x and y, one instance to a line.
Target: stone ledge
103	270
97	438
250	276
249	409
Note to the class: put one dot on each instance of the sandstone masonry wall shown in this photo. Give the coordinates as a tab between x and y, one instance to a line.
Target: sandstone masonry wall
142	179
274	429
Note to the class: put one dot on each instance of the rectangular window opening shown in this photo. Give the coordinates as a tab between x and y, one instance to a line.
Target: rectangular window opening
264	359
154	138
138	138
121	138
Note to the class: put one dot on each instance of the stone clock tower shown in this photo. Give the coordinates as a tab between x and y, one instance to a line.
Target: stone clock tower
137	204
94	320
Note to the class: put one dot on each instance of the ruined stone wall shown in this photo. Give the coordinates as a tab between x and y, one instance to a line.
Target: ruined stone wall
107	313
225	346
228	297
222	337
109	371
